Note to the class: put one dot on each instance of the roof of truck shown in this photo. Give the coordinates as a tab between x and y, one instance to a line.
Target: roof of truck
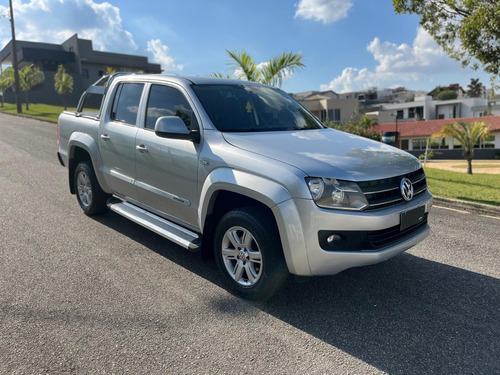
197	80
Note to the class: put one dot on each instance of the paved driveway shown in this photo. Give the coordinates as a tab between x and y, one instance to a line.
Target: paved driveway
104	295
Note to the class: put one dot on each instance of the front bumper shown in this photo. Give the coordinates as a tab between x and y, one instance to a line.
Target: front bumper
302	220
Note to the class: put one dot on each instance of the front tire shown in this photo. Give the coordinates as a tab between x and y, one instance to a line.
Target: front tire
90	196
248	253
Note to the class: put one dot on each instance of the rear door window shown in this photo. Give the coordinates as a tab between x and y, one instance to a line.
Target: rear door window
126	102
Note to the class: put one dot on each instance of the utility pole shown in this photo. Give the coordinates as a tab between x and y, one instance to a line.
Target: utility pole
17	87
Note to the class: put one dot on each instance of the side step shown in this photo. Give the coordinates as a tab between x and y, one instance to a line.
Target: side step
173	232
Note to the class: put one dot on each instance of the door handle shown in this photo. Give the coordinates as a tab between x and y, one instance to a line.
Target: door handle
105	137
141	148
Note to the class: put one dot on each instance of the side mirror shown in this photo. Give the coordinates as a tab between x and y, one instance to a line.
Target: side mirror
173	127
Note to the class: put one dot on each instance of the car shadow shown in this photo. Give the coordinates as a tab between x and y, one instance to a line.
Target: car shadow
406	315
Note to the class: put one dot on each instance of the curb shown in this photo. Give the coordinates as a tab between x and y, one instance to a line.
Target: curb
28	117
473	208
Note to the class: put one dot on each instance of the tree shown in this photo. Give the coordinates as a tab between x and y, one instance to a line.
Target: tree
475	88
272	72
447	95
63	83
467	30
437	90
6	81
468	135
29	77
110	70
364	127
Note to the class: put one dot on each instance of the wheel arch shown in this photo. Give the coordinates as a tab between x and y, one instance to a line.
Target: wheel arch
226	189
82	147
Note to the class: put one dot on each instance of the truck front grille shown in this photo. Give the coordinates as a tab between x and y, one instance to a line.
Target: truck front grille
386	192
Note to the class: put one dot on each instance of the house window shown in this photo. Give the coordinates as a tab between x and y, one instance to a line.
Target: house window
400	114
419	143
411	113
454	111
331	114
405	144
85	73
440	117
419	111
488	142
439	144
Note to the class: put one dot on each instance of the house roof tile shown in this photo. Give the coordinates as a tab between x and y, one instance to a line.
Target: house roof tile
427	128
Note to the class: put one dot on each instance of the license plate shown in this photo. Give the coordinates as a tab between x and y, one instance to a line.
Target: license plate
412	217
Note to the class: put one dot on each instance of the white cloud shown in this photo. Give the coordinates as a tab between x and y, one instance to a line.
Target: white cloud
159	54
326	11
397	65
53	21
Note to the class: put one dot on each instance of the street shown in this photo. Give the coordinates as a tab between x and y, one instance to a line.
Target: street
104	295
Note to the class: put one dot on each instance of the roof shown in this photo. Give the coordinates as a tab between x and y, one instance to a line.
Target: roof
186	79
426	128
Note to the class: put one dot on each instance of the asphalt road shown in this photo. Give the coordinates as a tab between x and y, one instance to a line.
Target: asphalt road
105	295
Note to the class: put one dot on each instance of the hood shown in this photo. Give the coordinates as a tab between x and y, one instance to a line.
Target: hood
328	153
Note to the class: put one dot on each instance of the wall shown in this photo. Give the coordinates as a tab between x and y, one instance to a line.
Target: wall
46	93
347	107
479	154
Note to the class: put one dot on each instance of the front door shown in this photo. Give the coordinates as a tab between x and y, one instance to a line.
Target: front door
167	169
117	140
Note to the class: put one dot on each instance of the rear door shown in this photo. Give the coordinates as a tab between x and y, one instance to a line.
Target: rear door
167	169
117	139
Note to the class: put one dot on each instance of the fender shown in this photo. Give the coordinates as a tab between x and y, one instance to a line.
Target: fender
263	190
271	194
88	143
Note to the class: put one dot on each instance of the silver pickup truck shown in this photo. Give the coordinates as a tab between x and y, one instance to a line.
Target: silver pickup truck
244	173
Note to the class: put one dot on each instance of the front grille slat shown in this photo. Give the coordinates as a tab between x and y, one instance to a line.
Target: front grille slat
386	202
386	237
386	192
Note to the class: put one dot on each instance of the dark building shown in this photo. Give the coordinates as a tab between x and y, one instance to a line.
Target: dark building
80	60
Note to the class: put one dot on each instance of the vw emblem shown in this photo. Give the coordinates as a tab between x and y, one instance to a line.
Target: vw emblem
406	189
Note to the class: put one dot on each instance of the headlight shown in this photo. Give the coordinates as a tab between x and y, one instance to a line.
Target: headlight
332	193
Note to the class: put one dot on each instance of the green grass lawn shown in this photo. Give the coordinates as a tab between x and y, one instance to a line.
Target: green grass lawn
478	188
38	111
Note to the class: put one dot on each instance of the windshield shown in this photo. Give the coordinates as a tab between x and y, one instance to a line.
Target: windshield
249	108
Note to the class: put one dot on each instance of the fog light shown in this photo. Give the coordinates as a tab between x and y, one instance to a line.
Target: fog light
333	238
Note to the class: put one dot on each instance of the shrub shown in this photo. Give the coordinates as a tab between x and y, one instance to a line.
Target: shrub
447	95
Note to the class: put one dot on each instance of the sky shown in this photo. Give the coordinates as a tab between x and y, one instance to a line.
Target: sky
347	45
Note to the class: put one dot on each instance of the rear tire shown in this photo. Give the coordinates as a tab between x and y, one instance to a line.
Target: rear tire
248	253
90	196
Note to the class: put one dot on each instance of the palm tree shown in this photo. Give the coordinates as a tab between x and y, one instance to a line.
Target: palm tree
29	77
468	135
63	83
475	88
6	81
272	72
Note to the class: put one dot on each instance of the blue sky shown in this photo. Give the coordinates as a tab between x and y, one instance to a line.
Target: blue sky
347	44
